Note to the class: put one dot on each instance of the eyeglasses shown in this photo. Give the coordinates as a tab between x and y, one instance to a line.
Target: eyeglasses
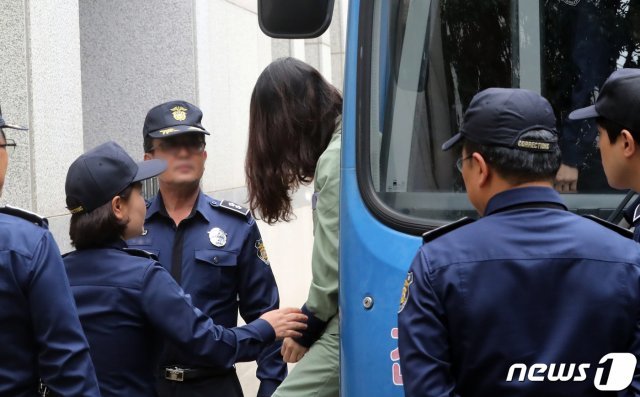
9	145
174	147
461	160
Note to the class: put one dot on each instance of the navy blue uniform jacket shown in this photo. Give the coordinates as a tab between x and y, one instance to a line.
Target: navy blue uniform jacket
520	285
40	334
127	303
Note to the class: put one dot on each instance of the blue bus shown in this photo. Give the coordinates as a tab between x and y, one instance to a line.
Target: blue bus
412	67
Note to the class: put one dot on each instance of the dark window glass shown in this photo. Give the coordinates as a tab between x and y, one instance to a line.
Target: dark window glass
428	59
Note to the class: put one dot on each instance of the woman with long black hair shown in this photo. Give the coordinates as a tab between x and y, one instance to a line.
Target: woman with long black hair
294	139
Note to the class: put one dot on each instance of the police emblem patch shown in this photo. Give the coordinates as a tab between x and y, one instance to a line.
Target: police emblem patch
262	252
405	291
217	237
179	113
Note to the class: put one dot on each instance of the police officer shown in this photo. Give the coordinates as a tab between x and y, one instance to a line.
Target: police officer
617	115
126	300
525	288
39	327
212	248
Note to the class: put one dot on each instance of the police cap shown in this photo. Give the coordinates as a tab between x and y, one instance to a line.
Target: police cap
4	124
173	118
618	100
100	174
500	116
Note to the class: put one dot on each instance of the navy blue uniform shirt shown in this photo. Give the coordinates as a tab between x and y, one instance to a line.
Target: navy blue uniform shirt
40	332
520	285
218	256
127	303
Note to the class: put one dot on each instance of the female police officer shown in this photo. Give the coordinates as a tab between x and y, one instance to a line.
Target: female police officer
125	299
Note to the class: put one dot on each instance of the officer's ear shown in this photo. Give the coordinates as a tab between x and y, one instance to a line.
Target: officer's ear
480	169
629	144
148	156
118	206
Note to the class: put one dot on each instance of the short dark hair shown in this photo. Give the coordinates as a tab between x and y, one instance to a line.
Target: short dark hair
147	144
614	129
519	166
100	226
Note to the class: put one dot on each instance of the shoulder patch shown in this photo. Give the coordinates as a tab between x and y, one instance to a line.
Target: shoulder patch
405	291
232	207
616	228
140	253
442	230
24	214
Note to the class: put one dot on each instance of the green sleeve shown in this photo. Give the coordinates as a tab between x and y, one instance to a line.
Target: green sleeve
323	293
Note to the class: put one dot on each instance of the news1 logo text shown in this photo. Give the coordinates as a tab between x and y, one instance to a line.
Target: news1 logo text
614	372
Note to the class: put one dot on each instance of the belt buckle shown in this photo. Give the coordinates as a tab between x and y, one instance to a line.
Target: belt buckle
175	374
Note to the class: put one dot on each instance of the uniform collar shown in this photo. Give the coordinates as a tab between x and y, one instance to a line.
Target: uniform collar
157	207
118	244
523	195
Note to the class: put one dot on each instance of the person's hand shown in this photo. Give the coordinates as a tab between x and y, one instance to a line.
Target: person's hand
286	322
292	351
567	179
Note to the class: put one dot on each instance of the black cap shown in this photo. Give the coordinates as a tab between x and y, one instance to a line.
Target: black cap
500	116
618	100
173	118
4	124
100	174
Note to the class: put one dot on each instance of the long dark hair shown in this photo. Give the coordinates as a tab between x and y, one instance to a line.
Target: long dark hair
293	115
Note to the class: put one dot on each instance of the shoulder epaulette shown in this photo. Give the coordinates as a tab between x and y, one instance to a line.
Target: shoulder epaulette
24	214
442	230
616	228
140	253
231	207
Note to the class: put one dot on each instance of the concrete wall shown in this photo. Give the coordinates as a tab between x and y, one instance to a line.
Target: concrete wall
135	55
41	87
14	99
232	52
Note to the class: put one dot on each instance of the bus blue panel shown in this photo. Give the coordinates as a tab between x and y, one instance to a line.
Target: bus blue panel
349	89
373	263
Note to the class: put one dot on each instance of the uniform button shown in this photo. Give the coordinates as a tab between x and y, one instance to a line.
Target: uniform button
215	260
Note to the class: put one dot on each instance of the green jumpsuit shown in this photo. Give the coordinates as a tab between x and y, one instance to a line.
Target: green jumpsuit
317	374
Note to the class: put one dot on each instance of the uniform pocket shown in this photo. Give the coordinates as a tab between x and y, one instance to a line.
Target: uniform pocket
217	257
217	270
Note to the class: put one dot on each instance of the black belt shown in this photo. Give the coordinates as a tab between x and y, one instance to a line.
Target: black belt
177	374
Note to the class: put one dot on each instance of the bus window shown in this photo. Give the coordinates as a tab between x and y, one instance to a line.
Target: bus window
428	58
